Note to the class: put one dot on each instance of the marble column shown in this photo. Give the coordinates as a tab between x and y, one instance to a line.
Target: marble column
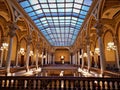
17	55
78	57
99	30
88	52
46	59
37	59
116	53
82	52
1	58
12	28
71	58
42	59
37	53
27	52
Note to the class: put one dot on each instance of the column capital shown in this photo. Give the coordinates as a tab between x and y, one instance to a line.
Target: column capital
99	28
87	40
12	25
37	45
12	28
29	39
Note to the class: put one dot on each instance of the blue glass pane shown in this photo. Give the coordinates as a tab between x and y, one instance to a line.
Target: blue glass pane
24	4
36	7
34	17
44	5
83	12
86	8
87	2
32	2
31	14
36	21
43	1
39	12
82	16
29	9
79	1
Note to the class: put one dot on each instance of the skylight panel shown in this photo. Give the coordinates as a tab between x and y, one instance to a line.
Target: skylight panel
39	12
77	6
76	10
52	5
29	9
70	5
83	12
68	10
35	7
44	6
32	2
60	5
88	2
51	1
79	1
31	14
61	10
46	10
25	4
42	1
86	8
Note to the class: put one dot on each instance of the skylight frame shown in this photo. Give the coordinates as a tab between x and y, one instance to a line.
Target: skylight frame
61	25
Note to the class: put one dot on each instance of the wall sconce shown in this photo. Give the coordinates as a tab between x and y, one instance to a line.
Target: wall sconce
44	56
80	56
31	53
4	46
91	53
111	46
97	51
40	55
85	55
22	51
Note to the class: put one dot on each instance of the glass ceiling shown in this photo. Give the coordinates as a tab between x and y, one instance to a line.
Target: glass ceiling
58	20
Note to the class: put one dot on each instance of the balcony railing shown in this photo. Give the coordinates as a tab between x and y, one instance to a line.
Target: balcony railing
58	83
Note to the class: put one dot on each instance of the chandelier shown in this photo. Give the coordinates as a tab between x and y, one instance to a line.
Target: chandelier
4	46
22	51
31	53
111	46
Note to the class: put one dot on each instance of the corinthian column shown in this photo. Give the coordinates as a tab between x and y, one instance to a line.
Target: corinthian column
27	53
99	30
37	47
116	52
17	55
88	52
12	28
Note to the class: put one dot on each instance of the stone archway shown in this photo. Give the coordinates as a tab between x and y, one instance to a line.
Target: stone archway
109	54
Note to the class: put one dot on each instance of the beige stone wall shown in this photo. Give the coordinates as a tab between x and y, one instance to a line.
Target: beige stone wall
62	52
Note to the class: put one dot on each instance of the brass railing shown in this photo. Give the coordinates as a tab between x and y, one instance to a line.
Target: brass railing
58	83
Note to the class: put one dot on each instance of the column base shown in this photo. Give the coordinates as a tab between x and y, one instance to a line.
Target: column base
9	74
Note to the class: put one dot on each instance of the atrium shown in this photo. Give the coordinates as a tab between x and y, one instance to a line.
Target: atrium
59	44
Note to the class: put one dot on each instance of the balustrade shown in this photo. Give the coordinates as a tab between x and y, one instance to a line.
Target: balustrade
58	83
